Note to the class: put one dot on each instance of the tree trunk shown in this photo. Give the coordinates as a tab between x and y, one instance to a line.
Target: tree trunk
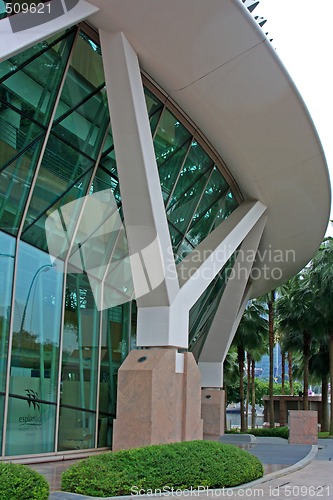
271	356
306	357
324	405
290	372
331	381
225	407
283	371
248	358
240	353
253	395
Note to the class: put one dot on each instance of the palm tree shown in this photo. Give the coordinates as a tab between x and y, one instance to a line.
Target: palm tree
250	336
321	279
319	370
299	321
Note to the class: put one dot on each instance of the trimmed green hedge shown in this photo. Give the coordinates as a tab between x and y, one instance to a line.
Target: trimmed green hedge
19	482
282	432
158	468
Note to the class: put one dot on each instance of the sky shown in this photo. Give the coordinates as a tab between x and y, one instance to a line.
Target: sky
302	36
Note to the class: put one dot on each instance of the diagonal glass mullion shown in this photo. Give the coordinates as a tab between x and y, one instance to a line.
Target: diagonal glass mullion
179	172
23	114
173	154
154	128
35	56
196	207
22	151
203	307
74	108
190	186
216	216
219	197
102	128
58	198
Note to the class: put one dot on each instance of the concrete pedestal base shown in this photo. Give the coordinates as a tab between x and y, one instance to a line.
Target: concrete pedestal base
303	427
212	412
159	399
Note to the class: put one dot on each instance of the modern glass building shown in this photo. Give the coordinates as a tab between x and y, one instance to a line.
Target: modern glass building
62	141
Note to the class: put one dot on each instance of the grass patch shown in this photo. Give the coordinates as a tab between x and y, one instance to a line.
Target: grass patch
324	435
19	482
180	466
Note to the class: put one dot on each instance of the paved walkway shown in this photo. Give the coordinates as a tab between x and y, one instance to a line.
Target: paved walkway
301	473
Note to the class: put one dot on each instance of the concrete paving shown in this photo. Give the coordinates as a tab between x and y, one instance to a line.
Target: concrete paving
307	474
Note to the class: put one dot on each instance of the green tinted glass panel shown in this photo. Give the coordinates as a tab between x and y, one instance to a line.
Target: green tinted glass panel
228	206
170	135
208	208
108	144
85	127
33	89
116	332
62	166
7	253
203	311
154	108
196	164
3	12
17	61
181	212
184	249
84	75
16	133
169	170
14	187
35	353
153	104
103	180
35	232
79	366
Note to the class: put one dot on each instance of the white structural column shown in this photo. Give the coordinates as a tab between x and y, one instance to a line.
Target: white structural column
152	262
230	310
13	43
200	267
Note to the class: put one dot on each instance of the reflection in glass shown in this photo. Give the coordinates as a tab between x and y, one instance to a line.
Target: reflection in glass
33	89
114	349
203	311
79	365
35	352
7	253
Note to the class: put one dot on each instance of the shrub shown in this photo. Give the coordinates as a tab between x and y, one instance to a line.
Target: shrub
19	482
180	466
282	432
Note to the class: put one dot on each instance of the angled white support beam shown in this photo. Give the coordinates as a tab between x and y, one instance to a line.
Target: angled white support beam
212	371
200	267
154	274
16	35
230	309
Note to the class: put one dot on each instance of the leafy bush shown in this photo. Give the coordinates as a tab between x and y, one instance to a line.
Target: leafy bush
282	432
19	482
162	467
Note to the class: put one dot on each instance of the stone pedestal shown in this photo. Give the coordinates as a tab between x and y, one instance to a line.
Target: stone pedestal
159	399
303	427
212	412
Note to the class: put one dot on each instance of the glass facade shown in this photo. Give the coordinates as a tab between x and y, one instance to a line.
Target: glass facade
60	352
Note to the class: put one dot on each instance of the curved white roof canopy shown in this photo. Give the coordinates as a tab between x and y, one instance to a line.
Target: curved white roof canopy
218	66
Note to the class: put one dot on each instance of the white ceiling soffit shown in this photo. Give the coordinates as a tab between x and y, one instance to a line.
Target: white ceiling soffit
218	66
